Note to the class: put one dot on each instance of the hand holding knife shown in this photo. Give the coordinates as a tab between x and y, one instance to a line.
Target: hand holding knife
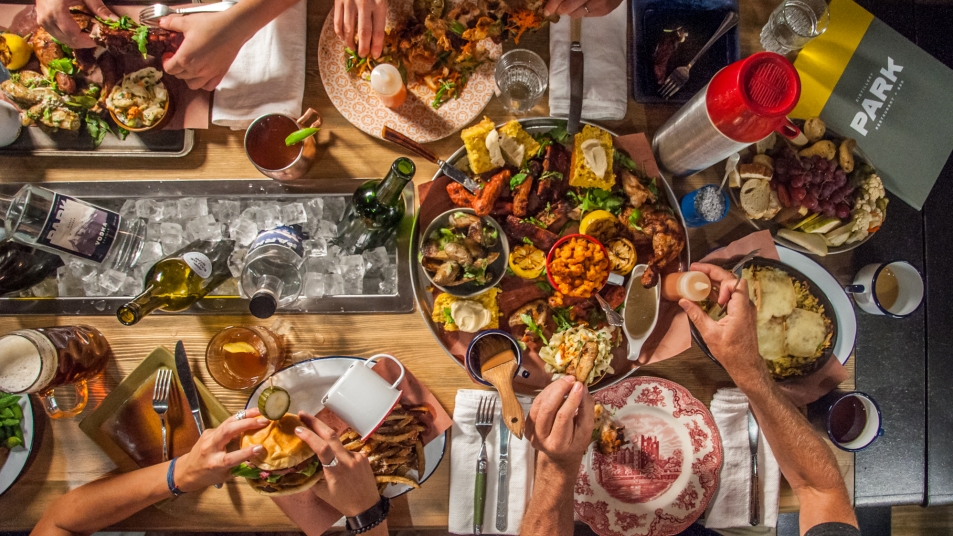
188	387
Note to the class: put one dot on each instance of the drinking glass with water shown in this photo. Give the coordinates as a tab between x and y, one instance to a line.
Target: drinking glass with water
522	77
793	24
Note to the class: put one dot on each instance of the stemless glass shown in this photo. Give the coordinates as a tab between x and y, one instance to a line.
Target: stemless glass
240	357
793	24
522	78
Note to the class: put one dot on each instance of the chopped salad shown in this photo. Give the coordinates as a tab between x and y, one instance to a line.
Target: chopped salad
141	100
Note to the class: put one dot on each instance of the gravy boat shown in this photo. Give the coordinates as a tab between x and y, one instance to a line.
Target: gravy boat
636	342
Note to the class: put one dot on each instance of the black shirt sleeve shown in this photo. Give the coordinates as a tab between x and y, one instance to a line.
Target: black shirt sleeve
832	529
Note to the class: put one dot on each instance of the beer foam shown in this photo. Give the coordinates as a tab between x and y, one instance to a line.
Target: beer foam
20	364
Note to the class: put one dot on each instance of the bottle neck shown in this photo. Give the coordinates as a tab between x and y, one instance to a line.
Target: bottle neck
401	172
140	306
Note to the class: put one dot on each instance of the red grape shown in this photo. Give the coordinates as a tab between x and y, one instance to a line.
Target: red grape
843	211
810	202
798	194
797	181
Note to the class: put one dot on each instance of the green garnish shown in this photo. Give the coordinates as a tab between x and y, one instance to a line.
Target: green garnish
559	134
533	327
551	175
526	240
456	27
124	23
589	199
141	37
97	128
299	136
517	180
634	218
561	316
441	95
353	60
447	318
61	65
533	221
544	286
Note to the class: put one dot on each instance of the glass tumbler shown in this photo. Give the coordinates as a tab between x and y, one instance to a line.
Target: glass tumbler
241	357
522	78
793	24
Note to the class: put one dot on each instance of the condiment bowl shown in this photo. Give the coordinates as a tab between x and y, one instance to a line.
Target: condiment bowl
567	238
498	267
158	125
637	341
474	361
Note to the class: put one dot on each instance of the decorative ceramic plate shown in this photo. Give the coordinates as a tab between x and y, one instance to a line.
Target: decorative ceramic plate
308	381
661	482
16	462
416	118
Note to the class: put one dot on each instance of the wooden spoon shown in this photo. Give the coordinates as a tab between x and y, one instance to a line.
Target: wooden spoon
499	369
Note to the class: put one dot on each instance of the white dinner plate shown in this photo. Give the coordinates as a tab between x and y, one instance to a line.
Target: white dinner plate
843	308
16	463
308	381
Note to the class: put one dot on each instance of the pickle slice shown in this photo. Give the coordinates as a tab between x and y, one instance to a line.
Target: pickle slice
274	403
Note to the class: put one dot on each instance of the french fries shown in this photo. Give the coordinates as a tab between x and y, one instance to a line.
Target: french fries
395	448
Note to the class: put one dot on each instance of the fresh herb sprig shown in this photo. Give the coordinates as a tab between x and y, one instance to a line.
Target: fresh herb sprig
532	326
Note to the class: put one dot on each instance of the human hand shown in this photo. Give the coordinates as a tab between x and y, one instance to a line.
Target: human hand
55	18
211	42
209	462
733	340
578	9
562	429
349	486
370	18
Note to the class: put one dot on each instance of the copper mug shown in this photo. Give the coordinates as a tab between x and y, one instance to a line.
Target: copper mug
266	149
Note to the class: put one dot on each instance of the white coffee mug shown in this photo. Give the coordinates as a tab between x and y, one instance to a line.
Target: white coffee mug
904	298
361	398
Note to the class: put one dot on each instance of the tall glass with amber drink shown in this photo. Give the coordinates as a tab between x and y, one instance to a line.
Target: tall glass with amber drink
241	357
53	362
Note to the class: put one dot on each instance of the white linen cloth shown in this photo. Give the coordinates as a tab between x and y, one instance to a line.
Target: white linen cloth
604	47
730	505
267	76
464	451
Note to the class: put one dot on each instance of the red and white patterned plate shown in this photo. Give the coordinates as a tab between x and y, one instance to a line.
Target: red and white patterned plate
358	103
661	482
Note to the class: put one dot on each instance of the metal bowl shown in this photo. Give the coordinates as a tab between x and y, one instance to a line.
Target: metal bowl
468	290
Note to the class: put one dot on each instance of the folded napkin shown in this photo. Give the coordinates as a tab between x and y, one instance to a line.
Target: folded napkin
730	507
267	76
604	47
464	451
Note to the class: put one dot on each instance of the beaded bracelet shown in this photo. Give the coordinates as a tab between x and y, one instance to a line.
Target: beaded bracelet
170	480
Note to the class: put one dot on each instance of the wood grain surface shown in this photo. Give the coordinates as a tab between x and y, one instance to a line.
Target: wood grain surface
66	458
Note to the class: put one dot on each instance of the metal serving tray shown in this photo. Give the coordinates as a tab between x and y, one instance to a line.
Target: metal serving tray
34	141
114	193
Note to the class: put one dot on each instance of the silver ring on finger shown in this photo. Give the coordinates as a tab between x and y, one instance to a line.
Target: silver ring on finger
332	463
586	8
240	415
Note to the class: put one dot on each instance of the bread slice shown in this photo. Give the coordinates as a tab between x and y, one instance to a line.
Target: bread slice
515	131
755	198
755	171
474	139
580	174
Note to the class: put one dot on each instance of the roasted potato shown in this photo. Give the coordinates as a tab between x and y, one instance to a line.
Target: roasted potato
845	155
824	148
814	129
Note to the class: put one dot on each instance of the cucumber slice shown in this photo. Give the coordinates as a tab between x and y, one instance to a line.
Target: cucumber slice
274	403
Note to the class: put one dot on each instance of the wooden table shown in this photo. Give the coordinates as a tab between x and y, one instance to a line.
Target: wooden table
66	458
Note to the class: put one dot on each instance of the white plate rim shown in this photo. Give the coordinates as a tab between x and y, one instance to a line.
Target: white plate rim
16	463
392	490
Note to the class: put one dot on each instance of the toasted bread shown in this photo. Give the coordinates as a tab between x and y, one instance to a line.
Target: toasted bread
515	131
755	171
755	197
474	139
580	174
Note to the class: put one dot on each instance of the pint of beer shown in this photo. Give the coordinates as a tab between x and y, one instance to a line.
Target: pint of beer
41	360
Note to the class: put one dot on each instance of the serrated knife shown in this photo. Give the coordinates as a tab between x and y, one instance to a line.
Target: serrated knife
502	485
576	76
455	174
188	387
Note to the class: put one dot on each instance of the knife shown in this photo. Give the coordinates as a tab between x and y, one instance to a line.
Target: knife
455	174
755	503
576	75
188	387
502	486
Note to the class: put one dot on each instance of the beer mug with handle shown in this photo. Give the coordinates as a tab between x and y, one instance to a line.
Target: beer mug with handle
53	361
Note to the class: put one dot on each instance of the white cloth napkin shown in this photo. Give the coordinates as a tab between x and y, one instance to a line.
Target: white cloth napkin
267	76
464	451
730	505
604	49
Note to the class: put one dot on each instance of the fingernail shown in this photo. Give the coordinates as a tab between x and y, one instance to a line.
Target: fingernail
569	379
299	430
683	303
577	387
258	449
546	13
262	420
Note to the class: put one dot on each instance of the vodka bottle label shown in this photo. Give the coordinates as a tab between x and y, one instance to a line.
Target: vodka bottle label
287	236
79	228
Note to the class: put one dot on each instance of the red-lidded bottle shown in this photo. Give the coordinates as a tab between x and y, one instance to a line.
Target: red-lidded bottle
744	103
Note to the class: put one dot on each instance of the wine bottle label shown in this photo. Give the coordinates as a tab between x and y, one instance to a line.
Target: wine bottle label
284	235
199	263
79	228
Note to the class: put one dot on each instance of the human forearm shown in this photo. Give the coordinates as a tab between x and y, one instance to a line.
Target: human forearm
550	511
249	16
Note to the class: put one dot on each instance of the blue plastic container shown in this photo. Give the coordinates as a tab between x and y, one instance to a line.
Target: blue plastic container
690	213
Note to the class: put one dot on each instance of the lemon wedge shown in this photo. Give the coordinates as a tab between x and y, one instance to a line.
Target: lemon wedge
14	51
239	348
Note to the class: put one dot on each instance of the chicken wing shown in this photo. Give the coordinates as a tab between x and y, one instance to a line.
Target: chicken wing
638	193
668	241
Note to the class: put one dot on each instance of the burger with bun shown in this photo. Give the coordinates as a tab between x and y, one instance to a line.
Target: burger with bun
287	466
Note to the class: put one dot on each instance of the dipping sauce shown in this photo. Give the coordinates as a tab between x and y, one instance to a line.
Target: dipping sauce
640	310
888	288
266	142
390	88
848	419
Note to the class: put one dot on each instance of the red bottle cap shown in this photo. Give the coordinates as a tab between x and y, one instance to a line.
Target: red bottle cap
749	99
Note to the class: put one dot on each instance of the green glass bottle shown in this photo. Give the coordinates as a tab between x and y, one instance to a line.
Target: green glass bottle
375	210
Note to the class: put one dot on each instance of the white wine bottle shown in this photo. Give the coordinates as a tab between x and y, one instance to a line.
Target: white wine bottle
181	279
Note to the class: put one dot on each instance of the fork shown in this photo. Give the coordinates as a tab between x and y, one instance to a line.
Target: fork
151	15
484	423
160	403
718	309
673	84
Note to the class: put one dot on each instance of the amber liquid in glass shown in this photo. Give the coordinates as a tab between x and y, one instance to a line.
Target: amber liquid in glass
240	357
266	142
888	288
81	353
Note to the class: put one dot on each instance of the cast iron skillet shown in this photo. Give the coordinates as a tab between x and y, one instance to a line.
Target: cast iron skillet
814	290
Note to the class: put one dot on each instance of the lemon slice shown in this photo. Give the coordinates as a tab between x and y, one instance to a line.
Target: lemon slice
273	403
527	261
239	348
599	224
14	51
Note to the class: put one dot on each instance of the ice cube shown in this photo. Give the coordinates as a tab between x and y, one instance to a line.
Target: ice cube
81	269
48	288
353	285
325	229
315	248
314	285
151	253
236	261
388	283
371	285
268	216
68	284
375	260
111	280
91	285
334	285
243	231
202	229
315	209
228	288
334	251
320	265
293	213
334	208
226	210
170	210
153	231
128	209
213	232
149	209
193	207
351	267
130	286
171	237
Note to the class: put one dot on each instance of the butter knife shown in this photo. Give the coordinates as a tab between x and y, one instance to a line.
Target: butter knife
455	174
755	503
502	486
576	76
188	387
